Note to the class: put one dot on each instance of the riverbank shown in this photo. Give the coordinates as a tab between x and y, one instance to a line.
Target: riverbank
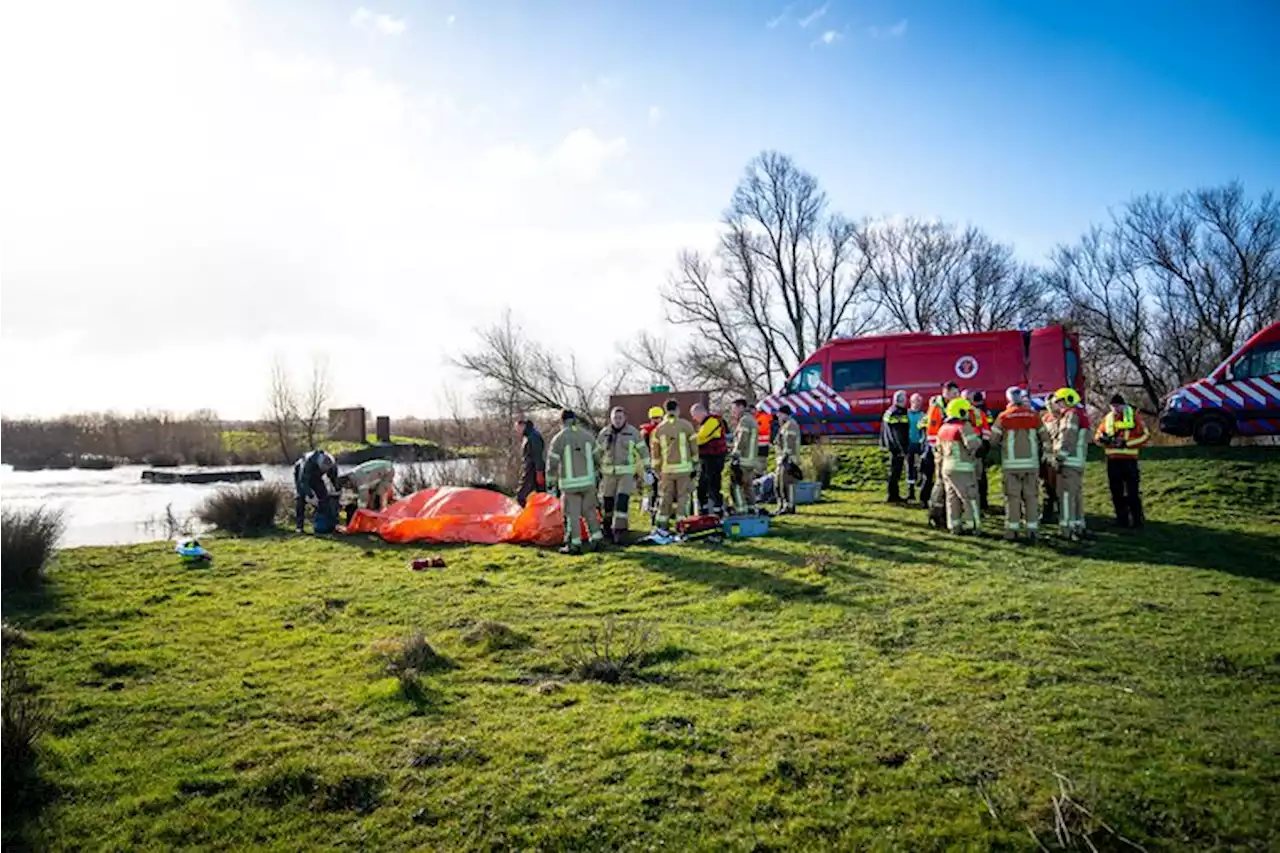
853	680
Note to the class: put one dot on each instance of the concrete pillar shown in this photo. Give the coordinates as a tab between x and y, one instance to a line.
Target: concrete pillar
384	429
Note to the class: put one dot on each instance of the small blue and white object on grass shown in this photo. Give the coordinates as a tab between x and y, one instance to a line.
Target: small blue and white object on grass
191	551
807	492
744	526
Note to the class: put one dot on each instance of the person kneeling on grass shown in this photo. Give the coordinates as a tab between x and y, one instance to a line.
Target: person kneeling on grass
309	474
373	483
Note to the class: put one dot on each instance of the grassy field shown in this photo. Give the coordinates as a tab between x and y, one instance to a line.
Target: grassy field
855	681
255	444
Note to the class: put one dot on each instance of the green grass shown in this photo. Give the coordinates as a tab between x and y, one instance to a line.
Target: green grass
854	681
255	444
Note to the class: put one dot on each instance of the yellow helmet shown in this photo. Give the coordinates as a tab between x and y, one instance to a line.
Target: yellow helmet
959	408
656	412
1067	395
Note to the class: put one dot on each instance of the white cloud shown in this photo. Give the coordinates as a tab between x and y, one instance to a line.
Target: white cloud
365	19
655	114
829	37
451	20
191	173
814	16
582	154
896	31
778	19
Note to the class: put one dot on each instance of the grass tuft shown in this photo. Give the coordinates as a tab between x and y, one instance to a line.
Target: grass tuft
25	717
28	539
611	653
495	636
245	509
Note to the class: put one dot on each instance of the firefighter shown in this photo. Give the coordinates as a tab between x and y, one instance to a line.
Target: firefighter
1121	434
533	460
373	483
895	437
1023	441
309	474
957	451
788	459
1071	447
676	462
915	443
744	458
932	493
982	424
623	457
713	449
1048	472
572	463
646	433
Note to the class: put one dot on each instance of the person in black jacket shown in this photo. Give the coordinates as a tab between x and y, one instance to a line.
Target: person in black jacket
895	436
533	458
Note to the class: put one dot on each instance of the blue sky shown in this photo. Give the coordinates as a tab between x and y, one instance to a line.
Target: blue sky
1030	119
248	163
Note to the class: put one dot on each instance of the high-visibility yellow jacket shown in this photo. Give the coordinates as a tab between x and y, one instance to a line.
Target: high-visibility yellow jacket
622	451
674	446
1122	436
746	441
572	460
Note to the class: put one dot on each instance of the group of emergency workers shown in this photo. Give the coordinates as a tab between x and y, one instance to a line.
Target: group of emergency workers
945	449
370	485
679	461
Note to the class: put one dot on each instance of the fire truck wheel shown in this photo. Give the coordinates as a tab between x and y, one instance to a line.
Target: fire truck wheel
1212	429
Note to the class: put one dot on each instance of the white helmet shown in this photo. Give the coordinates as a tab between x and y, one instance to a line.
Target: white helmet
899	398
1015	395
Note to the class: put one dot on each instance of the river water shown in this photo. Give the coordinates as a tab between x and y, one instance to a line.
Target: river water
115	507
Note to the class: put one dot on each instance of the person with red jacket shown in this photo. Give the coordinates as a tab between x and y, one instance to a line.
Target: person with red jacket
713	448
1121	434
1023	442
932	493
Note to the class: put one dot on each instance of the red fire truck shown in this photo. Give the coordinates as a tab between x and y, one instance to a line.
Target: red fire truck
843	388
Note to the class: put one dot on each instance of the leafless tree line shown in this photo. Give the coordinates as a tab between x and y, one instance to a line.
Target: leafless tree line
298	414
1161	293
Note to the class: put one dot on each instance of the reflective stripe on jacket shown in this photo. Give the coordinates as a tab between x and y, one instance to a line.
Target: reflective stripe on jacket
671	445
958	445
1071	445
789	442
1022	438
621	450
746	440
1128	428
895	429
571	459
934	418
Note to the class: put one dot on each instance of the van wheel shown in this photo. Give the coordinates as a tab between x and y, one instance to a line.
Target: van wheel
1212	430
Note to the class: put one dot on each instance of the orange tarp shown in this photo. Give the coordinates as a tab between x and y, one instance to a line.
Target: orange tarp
477	516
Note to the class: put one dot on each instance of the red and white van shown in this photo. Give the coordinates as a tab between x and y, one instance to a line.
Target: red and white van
844	387
1240	397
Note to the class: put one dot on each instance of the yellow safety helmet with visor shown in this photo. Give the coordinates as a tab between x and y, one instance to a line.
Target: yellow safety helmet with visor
959	408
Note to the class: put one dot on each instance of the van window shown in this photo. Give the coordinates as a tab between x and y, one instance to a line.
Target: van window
1259	361
1073	366
806	379
866	374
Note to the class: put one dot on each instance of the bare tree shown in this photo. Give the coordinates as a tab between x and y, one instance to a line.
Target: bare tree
518	374
1172	286
934	277
1104	295
786	277
1214	256
652	357
314	403
282	409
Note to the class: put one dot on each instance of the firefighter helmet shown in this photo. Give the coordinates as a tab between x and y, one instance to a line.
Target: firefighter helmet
959	408
1069	396
655	412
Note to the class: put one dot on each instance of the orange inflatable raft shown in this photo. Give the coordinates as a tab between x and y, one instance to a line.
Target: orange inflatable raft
474	516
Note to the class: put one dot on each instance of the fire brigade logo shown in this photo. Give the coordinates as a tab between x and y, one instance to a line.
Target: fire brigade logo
966	367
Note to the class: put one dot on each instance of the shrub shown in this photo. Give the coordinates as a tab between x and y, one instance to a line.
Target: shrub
245	509
824	463
24	718
28	538
612	653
